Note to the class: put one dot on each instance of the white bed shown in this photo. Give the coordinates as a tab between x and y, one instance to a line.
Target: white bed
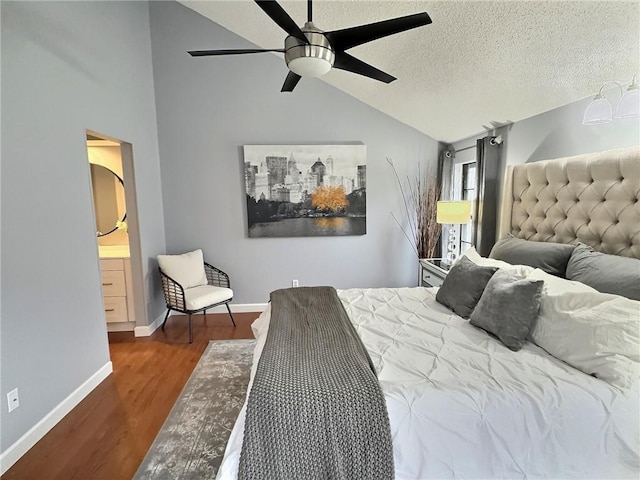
461	404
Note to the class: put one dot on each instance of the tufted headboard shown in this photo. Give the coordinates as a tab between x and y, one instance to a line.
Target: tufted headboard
592	198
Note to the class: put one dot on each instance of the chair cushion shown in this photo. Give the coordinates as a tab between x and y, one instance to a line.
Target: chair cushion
186	269
203	296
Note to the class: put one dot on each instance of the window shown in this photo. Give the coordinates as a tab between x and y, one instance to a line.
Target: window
468	193
463	187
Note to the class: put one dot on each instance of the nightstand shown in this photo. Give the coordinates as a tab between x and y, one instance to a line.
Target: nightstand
432	272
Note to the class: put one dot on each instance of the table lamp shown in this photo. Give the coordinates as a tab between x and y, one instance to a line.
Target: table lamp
453	213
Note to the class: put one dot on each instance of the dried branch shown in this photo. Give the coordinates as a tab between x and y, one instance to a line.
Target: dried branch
420	201
404	199
406	236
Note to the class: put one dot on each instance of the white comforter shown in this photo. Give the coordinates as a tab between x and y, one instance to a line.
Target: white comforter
462	405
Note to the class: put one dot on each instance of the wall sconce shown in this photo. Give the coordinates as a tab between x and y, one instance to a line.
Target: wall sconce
453	213
600	110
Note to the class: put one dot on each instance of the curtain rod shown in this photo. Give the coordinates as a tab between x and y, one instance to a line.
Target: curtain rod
450	153
465	148
492	140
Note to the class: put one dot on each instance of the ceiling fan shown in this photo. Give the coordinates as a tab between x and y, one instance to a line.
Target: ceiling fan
311	52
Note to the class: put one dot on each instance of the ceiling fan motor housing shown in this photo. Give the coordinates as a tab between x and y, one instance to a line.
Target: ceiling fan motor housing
309	60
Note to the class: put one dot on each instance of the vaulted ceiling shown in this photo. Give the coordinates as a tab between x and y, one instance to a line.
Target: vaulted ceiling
478	63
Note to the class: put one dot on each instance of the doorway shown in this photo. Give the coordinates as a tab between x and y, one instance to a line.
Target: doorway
117	234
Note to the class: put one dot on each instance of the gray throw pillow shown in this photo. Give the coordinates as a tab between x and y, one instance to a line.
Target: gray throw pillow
606	273
549	257
509	308
463	286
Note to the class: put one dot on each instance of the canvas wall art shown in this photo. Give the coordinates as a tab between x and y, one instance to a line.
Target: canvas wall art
306	190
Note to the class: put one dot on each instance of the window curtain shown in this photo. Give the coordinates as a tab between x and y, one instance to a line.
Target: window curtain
487	193
446	157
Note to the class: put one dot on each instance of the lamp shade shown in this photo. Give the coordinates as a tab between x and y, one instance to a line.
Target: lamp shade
453	212
629	104
598	112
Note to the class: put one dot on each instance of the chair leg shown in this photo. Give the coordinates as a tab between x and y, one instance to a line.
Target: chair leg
190	330
229	310
165	317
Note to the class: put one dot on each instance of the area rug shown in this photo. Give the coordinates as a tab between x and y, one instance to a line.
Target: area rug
191	443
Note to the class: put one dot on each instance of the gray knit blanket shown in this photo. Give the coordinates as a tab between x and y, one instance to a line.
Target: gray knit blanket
315	410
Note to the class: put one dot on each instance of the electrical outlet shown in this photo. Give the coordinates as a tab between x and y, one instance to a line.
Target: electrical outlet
294	283
13	401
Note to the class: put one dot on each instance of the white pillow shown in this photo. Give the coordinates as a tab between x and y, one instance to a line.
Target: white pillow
186	269
518	270
597	333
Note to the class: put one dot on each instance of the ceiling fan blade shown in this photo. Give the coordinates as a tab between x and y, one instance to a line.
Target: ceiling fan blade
282	18
350	37
344	61
290	82
205	53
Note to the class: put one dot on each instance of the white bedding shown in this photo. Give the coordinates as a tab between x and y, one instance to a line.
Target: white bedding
462	405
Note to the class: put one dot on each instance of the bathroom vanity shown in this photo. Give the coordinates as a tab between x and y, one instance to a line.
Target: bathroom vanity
111	231
115	266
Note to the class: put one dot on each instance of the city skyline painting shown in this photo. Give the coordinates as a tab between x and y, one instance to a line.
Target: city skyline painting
305	190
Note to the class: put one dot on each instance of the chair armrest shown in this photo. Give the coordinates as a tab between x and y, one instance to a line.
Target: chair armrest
216	277
172	291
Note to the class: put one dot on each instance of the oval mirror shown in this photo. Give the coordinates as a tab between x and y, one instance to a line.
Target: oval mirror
108	199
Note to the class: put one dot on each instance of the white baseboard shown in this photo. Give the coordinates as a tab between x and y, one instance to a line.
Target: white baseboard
147	330
121	327
12	454
235	308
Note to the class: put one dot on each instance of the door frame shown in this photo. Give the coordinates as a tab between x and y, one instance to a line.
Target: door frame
133	228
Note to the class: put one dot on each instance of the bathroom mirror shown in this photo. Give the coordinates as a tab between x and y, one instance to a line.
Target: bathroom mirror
108	199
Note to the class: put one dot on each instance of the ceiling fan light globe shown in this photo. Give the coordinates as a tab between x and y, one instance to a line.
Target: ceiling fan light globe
309	66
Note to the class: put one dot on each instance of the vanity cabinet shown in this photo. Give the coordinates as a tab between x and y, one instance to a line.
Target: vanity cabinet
117	293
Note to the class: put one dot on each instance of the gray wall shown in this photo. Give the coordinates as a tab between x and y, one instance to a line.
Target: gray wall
209	107
66	67
560	133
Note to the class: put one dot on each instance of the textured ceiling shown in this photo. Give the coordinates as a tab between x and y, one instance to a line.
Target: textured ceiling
478	63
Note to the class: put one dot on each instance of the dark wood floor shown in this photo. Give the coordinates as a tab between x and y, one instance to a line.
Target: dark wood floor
108	434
